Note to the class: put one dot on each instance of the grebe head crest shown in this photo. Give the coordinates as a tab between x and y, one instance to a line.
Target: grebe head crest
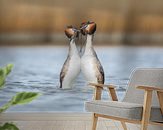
72	32
88	27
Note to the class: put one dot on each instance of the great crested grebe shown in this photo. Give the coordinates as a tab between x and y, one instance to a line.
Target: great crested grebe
90	64
71	67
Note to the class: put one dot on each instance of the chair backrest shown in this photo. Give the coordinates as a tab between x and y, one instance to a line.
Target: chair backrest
147	77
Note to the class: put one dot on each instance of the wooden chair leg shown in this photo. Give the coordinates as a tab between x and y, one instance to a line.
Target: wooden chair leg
94	123
146	110
97	93
113	94
160	98
124	125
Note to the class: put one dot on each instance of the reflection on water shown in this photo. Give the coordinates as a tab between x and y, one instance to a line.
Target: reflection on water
38	68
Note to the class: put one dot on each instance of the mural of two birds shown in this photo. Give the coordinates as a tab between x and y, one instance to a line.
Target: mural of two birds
87	63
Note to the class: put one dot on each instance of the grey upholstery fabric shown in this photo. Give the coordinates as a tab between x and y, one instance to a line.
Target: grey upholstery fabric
125	110
131	106
147	77
116	109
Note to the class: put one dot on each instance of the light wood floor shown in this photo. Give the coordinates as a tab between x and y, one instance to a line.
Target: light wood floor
57	121
66	125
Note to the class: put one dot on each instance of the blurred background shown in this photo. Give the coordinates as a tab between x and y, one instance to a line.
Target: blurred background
129	35
119	22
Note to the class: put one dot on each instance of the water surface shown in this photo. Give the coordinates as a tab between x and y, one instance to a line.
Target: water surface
37	69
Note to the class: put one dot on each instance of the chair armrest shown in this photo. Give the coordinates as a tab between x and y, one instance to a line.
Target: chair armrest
102	85
148	99
99	87
150	88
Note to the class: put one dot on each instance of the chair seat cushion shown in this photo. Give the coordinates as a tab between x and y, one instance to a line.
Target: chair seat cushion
131	111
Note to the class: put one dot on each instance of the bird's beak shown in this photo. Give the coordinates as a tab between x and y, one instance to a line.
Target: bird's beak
83	27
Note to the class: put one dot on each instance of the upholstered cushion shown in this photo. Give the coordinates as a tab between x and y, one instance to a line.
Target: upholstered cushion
125	110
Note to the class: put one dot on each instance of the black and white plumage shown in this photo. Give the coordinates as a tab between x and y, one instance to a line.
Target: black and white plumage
90	64
71	67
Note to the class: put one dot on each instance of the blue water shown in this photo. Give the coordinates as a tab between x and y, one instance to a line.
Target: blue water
37	69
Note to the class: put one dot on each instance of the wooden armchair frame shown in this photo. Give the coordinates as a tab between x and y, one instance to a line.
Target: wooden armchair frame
146	106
